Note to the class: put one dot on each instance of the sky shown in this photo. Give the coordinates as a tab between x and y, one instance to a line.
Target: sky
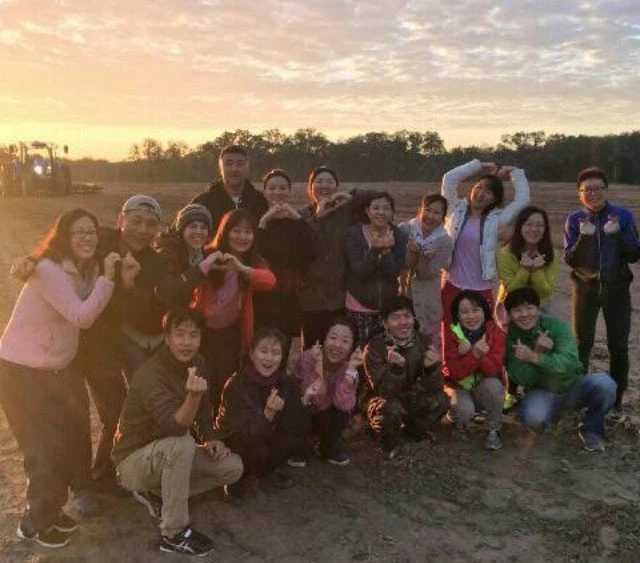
100	76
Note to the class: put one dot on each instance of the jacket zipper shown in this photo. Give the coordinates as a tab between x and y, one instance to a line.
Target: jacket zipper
599	256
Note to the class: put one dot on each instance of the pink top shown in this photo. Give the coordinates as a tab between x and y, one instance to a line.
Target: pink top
223	306
466	265
341	392
45	324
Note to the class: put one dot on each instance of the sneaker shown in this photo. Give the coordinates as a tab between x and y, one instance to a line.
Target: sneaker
152	502
87	504
592	442
280	480
493	441
188	542
461	433
65	523
616	414
339	459
297	461
48	538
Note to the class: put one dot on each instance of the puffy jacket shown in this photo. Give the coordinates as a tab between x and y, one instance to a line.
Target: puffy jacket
459	366
607	257
491	223
372	278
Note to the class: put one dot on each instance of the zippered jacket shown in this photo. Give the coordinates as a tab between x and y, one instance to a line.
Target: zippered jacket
558	370
491	223
605	257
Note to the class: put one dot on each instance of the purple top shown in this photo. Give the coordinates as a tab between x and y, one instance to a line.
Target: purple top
466	267
341	391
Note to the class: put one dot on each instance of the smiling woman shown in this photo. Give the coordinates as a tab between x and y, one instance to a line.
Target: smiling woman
44	402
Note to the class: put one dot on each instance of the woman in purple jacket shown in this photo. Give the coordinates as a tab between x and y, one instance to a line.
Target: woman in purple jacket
40	396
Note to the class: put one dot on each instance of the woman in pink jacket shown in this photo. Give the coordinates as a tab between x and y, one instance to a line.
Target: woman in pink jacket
328	375
234	271
39	394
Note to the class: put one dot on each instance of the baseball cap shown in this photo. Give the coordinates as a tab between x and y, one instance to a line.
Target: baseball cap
142	202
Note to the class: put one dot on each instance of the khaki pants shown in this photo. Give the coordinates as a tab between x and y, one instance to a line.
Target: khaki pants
175	469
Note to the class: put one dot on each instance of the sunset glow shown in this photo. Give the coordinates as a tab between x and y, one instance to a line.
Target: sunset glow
100	77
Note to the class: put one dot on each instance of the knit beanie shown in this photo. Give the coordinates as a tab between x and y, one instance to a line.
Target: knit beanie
193	212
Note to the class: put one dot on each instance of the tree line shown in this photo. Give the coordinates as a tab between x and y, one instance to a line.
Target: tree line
374	156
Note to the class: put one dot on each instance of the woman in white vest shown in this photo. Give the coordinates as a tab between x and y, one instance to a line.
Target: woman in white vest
473	223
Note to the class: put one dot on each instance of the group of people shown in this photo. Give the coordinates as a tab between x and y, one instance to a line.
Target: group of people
182	337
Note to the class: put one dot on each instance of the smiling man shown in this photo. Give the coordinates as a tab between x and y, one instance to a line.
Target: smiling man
542	357
234	190
600	241
403	369
154	449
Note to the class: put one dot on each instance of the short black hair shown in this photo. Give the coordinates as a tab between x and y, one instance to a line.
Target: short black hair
522	296
234	149
178	315
476	298
396	303
592	172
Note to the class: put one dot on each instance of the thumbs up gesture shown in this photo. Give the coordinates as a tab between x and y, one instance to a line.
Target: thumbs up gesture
587	228
612	226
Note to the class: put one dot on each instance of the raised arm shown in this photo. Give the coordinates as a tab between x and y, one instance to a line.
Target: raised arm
521	197
452	179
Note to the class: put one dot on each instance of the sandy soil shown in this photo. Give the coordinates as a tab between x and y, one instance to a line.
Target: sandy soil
438	502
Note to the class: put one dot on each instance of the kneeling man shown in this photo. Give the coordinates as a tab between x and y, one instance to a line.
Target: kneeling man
542	356
154	449
406	384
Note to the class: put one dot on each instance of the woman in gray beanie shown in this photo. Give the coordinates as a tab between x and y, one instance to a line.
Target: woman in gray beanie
181	247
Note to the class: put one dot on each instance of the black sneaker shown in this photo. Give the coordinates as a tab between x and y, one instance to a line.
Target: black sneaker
188	542
65	523
152	502
51	538
339	458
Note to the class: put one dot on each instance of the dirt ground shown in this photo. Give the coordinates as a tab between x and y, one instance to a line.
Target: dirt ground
438	502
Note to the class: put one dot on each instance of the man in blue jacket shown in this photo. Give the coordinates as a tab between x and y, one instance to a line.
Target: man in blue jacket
600	242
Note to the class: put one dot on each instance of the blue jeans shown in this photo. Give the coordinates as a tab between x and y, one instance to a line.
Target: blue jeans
595	392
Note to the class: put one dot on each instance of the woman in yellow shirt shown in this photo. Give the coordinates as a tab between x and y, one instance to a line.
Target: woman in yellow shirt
528	259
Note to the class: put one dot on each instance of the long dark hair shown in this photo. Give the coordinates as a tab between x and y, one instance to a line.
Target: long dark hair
56	245
517	243
496	187
220	242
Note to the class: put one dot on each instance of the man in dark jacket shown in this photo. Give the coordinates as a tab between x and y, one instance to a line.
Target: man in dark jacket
405	378
600	241
234	190
154	449
130	328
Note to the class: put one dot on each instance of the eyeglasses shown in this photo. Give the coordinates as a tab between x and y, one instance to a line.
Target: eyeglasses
593	190
84	234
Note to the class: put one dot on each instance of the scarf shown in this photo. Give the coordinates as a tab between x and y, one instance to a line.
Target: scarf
252	375
473	335
400	344
425	241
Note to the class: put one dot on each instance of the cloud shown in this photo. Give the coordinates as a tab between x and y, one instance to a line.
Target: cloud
332	64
